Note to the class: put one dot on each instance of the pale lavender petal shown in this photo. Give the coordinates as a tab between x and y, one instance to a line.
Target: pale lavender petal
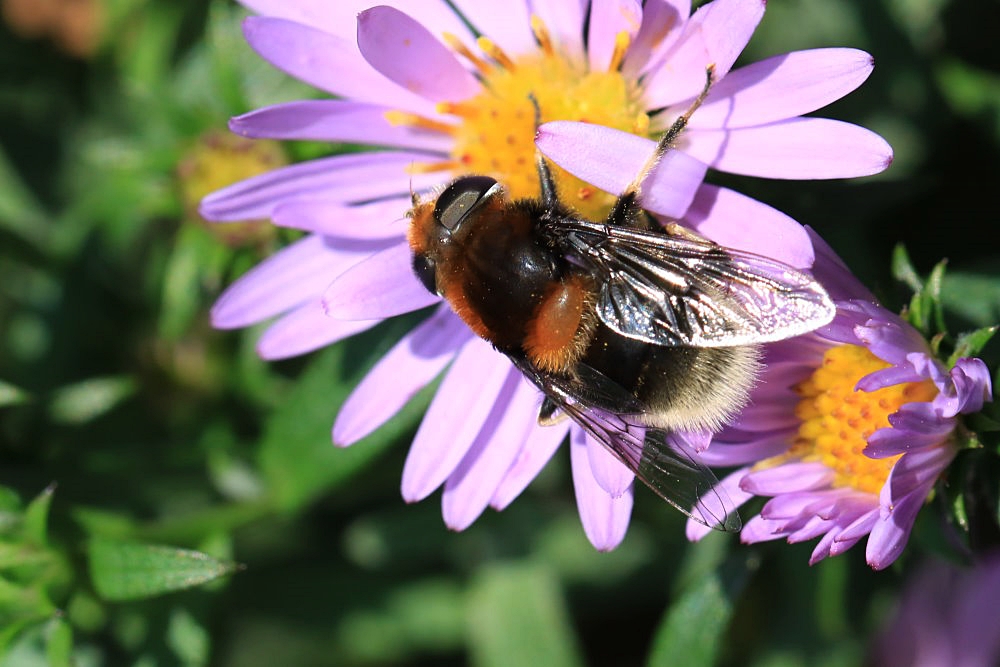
469	488
605	518
608	18
610	473
290	277
759	529
304	329
405	52
454	418
887	377
381	286
763	447
543	441
382	220
327	62
321	14
728	487
564	21
715	35
776	413
890	339
345	178
787	478
891	441
799	149
662	22
860	526
917	469
783	86
508	25
610	159
813	527
737	221
337	121
406	369
840	283
791	505
892	530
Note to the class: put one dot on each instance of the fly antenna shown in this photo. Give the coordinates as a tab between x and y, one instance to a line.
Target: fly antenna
548	186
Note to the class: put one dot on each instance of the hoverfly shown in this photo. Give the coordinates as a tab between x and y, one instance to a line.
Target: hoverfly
631	329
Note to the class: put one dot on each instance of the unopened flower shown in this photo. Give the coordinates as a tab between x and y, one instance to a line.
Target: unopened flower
413	78
849	428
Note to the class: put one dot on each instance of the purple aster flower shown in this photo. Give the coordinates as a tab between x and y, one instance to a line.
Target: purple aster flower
411	77
849	428
945	616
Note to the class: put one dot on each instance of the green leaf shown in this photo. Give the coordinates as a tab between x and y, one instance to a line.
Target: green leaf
969	344
85	401
59	643
902	269
36	518
131	570
517	617
297	457
12	395
694	627
187	638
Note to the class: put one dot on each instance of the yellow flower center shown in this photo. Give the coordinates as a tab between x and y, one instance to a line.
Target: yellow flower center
497	130
837	419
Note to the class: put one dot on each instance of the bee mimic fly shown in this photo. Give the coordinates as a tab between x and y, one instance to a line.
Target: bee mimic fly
631	329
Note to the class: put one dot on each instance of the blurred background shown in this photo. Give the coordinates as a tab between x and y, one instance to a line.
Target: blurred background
126	421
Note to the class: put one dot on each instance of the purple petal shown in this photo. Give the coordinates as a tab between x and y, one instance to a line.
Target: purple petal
971	387
798	149
890	339
752	451
345	178
662	23
337	121
715	34
469	488
610	159
407	53
610	473
454	418
728	487
290	277
737	221
605	518
406	369
887	377
833	274
773	412
787	478
759	529
859	527
891	531
891	441
543	441
781	87
607	20
304	329
509	26
383	220
381	286
915	470
327	62
564	21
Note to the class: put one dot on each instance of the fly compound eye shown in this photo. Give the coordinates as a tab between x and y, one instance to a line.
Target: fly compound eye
461	198
426	273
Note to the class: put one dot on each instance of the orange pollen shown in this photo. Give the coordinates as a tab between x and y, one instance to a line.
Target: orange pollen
396	118
542	35
487	46
622	42
456	45
837	419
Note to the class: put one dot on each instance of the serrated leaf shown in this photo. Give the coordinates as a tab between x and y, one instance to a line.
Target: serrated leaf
132	571
517	617
85	401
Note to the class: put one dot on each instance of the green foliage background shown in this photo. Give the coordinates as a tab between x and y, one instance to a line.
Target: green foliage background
143	454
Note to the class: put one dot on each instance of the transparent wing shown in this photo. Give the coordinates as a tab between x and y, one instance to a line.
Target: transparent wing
674	290
667	469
